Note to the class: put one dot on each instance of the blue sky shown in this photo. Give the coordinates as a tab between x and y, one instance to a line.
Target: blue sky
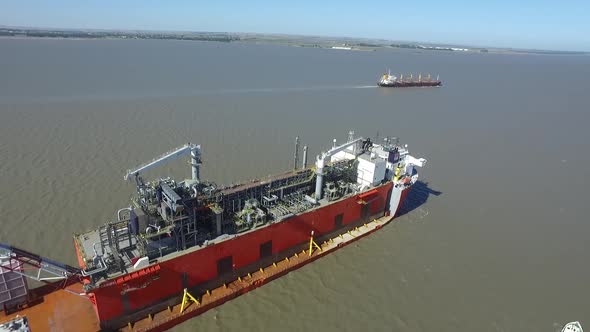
557	24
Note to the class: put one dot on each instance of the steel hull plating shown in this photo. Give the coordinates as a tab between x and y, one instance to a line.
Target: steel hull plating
136	294
409	84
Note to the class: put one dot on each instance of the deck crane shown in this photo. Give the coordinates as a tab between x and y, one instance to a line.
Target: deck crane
164	192
321	161
195	161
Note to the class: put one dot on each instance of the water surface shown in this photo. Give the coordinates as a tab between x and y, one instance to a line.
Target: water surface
494	240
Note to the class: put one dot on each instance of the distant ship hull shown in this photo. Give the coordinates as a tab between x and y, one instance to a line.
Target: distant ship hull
391	81
409	84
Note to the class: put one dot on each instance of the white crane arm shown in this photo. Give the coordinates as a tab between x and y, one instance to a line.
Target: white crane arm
335	150
321	160
180	151
339	148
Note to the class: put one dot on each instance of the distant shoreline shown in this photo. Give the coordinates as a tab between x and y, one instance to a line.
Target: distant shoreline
335	43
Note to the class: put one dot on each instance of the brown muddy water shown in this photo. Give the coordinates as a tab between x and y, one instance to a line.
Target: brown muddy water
495	237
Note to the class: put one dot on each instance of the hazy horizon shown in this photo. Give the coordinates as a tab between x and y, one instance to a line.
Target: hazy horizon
527	24
425	42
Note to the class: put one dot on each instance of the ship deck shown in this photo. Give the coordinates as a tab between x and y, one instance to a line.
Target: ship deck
87	240
57	311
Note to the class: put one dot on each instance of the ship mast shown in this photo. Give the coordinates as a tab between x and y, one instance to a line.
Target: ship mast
296	153
304	165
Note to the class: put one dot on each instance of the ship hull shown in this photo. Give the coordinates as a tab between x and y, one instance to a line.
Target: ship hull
409	84
166	319
133	296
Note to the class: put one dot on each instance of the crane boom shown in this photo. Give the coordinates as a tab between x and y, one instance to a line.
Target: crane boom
32	266
193	149
337	149
321	160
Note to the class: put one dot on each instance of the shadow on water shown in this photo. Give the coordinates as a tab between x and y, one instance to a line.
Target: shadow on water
419	194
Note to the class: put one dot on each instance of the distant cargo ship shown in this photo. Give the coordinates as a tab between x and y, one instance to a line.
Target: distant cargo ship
392	81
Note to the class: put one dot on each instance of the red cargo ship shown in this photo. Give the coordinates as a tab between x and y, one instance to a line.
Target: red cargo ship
194	236
392	81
